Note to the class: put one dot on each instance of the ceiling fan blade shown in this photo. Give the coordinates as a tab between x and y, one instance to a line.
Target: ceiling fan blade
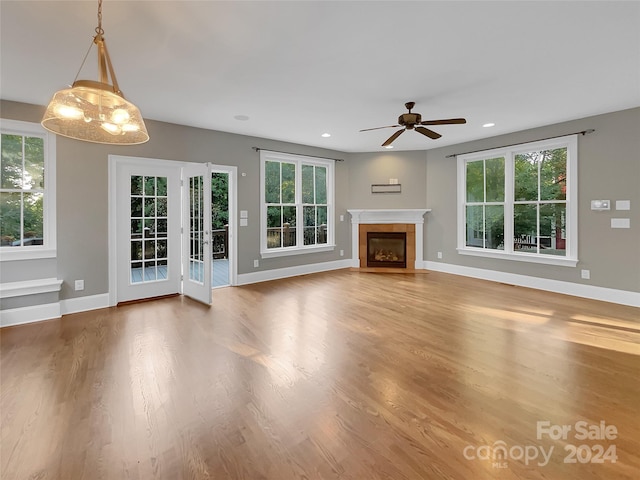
449	121
378	128
392	138
428	133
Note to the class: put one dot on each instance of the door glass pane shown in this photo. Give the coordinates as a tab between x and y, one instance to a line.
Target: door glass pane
196	222
161	185
150	186
136	228
136	185
148	201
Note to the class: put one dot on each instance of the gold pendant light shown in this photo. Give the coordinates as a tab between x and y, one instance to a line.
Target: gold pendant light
96	111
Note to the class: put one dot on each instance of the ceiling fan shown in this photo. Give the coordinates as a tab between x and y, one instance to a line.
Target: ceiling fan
413	121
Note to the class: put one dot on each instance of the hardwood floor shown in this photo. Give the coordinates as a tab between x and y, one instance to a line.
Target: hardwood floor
341	375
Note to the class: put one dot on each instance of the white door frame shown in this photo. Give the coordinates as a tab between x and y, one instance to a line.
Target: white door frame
113	162
233	224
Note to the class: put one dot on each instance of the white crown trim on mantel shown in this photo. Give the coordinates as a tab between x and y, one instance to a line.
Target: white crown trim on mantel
396	215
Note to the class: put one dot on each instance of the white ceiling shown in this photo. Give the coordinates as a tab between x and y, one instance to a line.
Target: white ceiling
299	69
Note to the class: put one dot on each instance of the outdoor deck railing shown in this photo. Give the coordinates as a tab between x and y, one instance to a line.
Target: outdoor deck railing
219	242
286	236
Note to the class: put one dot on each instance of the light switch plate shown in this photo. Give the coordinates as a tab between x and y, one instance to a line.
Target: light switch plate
620	223
623	204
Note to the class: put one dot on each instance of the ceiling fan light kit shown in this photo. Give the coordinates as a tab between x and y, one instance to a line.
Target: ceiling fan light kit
413	121
96	111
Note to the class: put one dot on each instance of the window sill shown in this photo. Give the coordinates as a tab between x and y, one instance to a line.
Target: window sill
520	257
27	254
296	251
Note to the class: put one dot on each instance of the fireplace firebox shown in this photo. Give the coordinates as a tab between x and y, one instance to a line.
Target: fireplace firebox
387	249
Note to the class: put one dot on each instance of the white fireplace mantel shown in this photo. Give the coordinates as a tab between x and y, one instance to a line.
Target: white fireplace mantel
389	216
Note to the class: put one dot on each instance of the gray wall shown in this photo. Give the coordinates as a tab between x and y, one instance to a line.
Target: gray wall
608	168
365	169
82	194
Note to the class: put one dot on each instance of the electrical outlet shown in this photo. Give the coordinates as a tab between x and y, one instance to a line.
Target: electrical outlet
342	253
256	263
342	218
585	274
439	254
79	285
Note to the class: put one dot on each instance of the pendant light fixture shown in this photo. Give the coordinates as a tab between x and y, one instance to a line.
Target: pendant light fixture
96	111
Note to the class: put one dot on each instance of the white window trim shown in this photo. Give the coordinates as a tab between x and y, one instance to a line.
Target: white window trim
509	153
48	250
266	155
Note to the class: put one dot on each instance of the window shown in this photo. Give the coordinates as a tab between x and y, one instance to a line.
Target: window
520	202
297	204
27	191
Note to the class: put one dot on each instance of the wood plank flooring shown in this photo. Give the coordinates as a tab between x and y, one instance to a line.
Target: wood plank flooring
340	375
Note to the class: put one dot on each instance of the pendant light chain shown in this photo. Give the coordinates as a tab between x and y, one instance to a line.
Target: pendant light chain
99	29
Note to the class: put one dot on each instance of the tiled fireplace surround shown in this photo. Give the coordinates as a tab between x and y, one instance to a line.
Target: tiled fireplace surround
410	221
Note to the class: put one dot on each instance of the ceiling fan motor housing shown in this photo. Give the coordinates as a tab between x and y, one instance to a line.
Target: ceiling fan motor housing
409	119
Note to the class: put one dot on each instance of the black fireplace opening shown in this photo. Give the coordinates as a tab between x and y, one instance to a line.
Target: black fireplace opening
387	249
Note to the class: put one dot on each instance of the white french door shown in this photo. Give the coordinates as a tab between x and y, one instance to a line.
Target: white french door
147	216
196	238
160	237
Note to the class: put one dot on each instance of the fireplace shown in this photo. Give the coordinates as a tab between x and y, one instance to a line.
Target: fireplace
406	221
387	249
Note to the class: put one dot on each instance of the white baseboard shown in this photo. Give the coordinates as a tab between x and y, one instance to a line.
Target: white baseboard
278	273
36	313
622	297
84	304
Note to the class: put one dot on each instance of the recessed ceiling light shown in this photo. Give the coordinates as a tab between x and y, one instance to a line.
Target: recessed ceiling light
490	124
242	118
389	146
326	135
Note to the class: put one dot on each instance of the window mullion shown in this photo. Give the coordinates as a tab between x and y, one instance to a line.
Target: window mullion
22	186
509	181
298	199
